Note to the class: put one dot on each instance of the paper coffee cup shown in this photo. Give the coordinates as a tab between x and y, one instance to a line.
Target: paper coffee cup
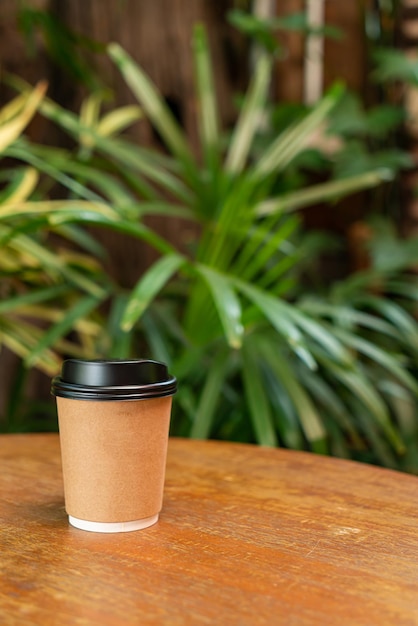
114	419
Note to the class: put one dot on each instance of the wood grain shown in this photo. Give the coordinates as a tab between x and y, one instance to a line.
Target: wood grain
247	536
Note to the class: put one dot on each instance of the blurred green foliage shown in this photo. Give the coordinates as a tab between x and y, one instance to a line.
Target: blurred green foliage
260	355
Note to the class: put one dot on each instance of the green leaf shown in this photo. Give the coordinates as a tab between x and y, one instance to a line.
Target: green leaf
363	391
116	121
374	436
35	296
209	397
148	287
52	263
299	22
89	116
284	412
21	150
21	337
379	356
289	321
349	317
224	240
404	406
20	188
329	398
322	335
401	320
284	149
147	162
152	103
323	192
258	404
54	210
208	114
250	117
383	119
278	315
405	287
12	127
395	65
261	247
120	340
391	254
309	417
164	208
64	326
255	28
139	231
226	302
349	117
141	162
157	337
105	182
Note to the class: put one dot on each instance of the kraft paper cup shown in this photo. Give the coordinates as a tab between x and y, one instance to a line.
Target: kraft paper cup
114	419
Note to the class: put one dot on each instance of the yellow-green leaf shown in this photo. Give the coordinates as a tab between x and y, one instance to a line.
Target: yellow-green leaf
10	130
118	120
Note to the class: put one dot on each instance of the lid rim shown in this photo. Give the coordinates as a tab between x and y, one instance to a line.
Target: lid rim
63	389
111	398
113	379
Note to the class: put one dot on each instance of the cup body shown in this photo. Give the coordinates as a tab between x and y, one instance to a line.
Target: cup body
113	456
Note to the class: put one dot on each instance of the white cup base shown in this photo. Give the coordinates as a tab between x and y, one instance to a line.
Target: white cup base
113	527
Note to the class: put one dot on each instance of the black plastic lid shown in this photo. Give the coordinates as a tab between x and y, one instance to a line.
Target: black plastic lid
113	380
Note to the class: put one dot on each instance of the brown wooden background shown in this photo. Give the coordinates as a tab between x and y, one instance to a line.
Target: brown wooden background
157	33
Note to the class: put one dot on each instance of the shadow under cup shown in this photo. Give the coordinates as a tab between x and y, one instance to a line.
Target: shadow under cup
114	419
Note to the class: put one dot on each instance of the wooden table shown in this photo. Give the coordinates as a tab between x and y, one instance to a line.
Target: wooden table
247	536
